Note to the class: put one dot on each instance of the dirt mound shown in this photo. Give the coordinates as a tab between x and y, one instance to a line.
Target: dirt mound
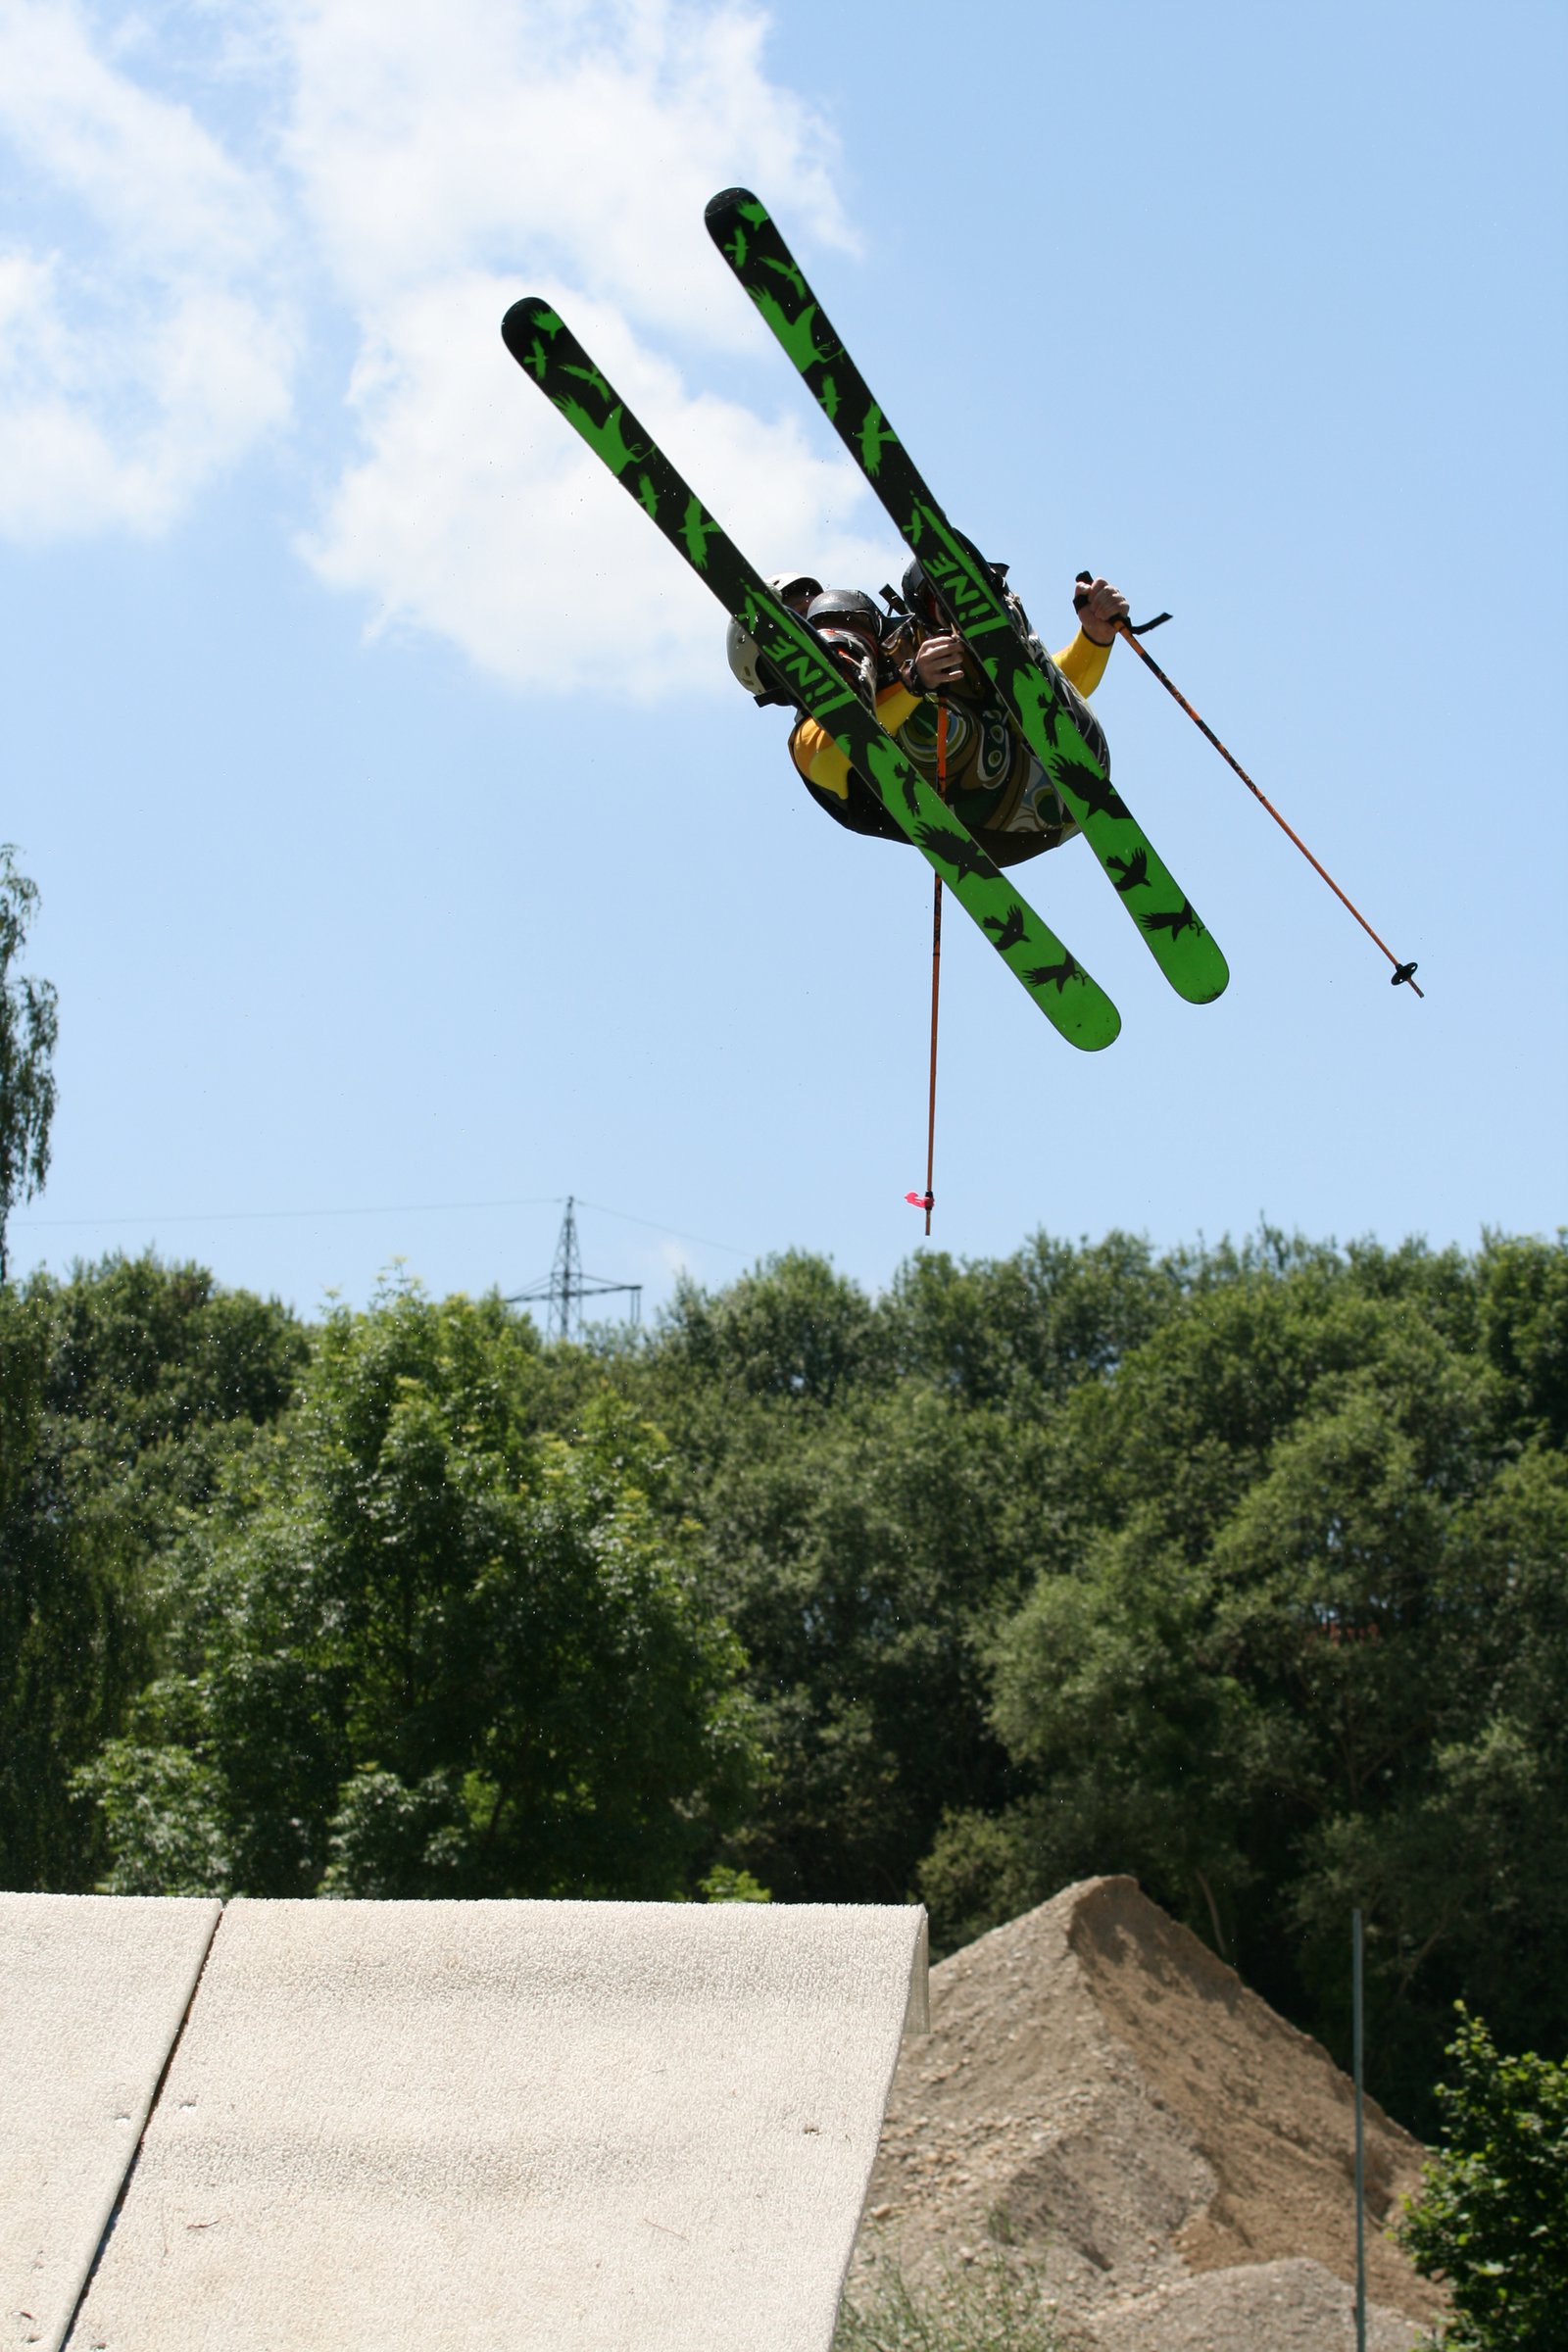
1101	2092
1265	2307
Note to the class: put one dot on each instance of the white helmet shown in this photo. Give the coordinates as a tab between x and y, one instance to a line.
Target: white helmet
741	647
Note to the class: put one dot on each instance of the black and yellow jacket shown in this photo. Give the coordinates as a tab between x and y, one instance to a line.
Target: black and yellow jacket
995	785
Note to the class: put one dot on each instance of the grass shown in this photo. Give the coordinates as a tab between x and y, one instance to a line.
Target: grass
989	2306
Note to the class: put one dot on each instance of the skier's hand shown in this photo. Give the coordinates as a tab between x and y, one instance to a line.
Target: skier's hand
1099	607
940	663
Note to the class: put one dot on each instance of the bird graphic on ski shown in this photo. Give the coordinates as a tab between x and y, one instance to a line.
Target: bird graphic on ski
1053	722
550	354
1009	928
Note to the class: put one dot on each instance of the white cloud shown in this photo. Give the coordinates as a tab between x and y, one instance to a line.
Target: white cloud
476	513
456	156
138	351
575	139
133	157
423	164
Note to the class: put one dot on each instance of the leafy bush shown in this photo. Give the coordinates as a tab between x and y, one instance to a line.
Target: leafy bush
1491	2218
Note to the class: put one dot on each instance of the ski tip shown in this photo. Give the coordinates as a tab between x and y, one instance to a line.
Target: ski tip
521	323
728	200
1093	1036
1208	983
1200	992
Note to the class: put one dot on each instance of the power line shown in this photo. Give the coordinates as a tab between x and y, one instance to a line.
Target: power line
237	1216
396	1209
626	1218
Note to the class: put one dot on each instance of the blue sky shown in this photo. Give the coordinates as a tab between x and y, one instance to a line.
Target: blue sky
407	857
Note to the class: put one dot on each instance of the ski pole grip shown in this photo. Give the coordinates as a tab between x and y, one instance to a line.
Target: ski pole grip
1134	629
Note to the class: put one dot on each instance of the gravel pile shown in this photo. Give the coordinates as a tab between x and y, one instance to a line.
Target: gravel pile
1102	2097
1264	2307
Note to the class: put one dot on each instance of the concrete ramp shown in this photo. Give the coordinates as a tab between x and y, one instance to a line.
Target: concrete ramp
537	2126
92	1992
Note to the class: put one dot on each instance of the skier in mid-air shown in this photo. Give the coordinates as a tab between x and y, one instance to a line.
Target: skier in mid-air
839	685
909	663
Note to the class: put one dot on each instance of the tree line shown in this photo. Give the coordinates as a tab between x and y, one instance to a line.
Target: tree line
1243	1569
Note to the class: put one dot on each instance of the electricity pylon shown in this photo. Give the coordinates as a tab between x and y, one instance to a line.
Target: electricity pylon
567	1285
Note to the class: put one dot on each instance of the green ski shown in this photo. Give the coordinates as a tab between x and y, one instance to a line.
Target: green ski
1055	724
545	349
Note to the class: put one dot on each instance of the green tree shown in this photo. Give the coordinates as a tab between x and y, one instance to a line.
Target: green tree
866	1479
156	1375
1023	1330
27	1030
1492	2219
66	1635
1523	1308
427	1651
859	1554
792	1330
123	1391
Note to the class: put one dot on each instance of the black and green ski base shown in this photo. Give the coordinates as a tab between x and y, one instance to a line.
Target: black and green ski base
546	351
1071	755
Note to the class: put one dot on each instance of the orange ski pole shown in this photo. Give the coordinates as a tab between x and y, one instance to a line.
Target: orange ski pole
935	972
936	956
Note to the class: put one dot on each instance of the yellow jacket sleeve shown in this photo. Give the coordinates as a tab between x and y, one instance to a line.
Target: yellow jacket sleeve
1083	664
819	757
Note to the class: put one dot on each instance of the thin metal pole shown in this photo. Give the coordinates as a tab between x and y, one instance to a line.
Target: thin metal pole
1360	2142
